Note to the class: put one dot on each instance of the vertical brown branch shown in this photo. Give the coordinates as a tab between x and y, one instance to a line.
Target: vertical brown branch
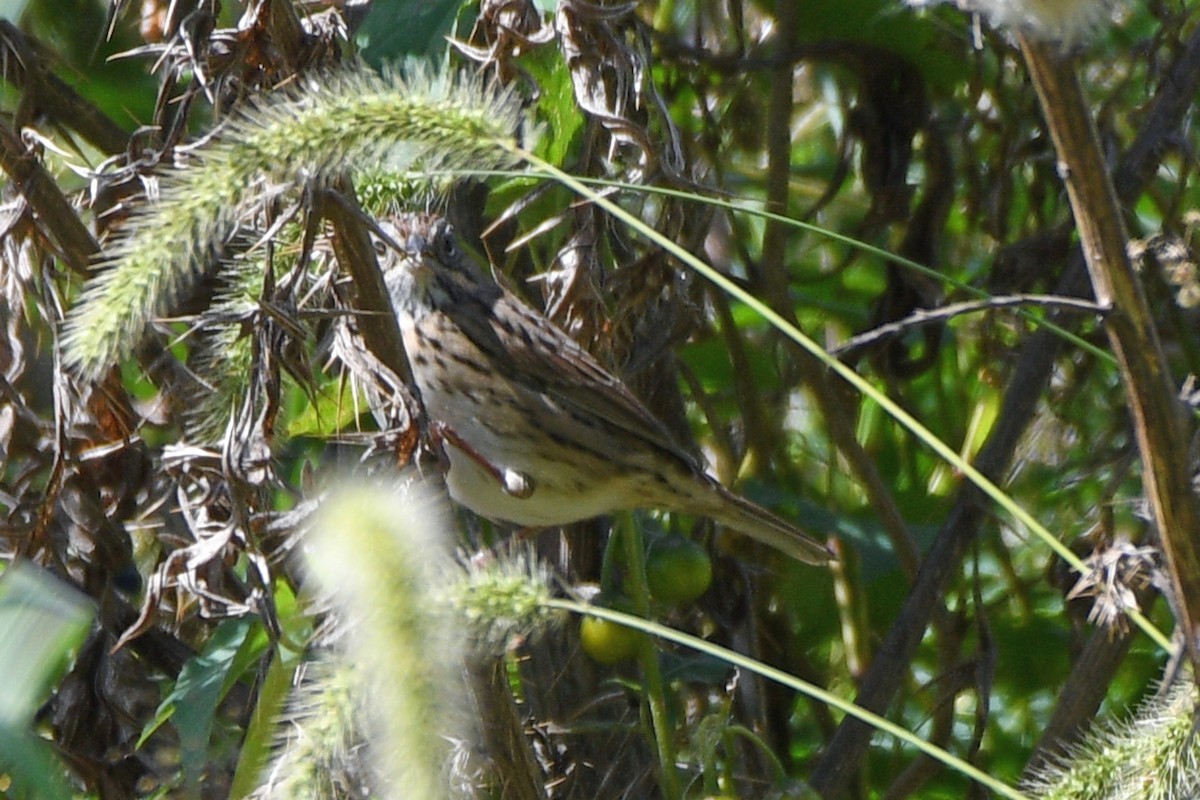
772	272
352	245
1034	366
1159	419
772	279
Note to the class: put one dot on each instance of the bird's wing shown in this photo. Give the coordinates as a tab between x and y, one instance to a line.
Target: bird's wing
529	349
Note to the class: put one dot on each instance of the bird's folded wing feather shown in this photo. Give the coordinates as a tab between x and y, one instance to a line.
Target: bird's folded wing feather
539	354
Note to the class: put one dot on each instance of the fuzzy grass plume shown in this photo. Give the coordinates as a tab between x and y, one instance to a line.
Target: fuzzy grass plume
325	127
223	355
409	620
319	749
1153	756
381	555
1065	21
503	601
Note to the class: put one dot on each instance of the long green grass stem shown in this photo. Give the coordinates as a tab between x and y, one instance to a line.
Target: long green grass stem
656	697
804	687
985	484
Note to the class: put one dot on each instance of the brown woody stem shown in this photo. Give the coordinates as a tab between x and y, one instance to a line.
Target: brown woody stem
1160	420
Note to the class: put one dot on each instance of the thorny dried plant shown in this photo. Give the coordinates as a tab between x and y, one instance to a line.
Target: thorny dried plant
1115	574
259	292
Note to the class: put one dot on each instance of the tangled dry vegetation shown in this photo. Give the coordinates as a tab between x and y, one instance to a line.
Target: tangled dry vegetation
165	431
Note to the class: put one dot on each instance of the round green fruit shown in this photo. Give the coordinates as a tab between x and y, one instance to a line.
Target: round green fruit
608	642
677	570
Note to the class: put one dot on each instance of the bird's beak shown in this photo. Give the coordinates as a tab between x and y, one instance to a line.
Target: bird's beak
416	245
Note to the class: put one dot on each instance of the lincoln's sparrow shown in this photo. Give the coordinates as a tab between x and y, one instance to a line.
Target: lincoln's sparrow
537	432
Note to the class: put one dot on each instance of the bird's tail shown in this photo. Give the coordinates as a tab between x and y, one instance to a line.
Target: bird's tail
761	525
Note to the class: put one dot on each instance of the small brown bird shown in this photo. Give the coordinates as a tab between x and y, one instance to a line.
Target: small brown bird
536	432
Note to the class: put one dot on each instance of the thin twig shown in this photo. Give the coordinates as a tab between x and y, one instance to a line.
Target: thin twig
56	213
25	68
772	280
378	327
931	316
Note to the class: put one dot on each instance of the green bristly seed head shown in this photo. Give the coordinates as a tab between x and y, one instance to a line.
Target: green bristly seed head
329	126
1154	755
503	601
379	553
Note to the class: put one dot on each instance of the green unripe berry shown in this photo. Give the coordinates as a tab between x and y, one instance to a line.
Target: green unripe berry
677	570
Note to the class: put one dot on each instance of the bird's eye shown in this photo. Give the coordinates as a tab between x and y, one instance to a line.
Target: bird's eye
380	248
446	247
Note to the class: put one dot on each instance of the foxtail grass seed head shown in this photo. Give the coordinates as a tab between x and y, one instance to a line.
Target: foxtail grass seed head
1066	21
381	556
1155	755
318	748
503	600
326	126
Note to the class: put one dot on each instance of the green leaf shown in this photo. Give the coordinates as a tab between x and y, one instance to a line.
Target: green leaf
394	29
694	668
261	731
556	104
333	409
42	620
919	39
203	682
30	765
